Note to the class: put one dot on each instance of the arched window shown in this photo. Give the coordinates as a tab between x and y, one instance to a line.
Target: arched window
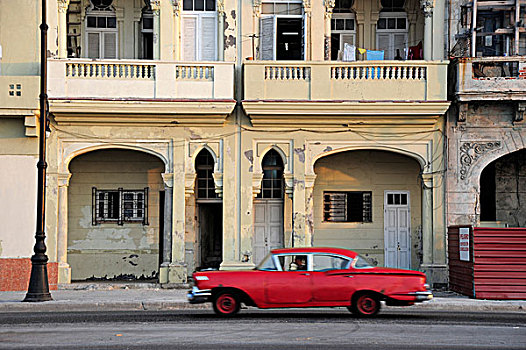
272	186
204	166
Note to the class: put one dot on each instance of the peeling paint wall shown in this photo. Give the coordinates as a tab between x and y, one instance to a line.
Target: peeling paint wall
108	250
373	171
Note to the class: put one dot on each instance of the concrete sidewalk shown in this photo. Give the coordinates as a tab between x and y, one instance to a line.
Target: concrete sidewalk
146	296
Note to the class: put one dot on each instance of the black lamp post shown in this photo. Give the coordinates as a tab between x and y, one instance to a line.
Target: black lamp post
38	289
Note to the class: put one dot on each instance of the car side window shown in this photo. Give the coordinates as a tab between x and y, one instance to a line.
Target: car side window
293	262
267	264
330	262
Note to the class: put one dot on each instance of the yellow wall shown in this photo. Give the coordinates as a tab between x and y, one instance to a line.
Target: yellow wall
107	249
374	171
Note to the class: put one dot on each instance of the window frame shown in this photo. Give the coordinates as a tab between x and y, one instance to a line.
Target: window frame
100	32
367	216
392	32
342	32
121	217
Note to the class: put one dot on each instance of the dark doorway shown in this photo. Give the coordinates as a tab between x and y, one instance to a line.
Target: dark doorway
210	234
289	40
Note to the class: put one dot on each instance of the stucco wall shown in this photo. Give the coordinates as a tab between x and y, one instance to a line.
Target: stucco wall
109	250
374	171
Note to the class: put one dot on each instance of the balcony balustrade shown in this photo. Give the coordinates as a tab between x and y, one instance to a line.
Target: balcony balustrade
345	92
107	79
490	78
346	81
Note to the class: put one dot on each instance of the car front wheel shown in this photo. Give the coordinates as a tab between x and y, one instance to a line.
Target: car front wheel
226	304
365	305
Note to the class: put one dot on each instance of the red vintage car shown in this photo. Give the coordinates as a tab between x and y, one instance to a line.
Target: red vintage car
310	277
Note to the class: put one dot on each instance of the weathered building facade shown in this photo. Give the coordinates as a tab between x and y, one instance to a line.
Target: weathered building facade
201	134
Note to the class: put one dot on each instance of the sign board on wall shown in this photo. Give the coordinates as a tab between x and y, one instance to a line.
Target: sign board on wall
463	243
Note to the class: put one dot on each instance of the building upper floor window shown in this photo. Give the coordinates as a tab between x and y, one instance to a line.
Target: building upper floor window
393	5
101	30
281	33
392	34
199	26
119	206
355	206
343	29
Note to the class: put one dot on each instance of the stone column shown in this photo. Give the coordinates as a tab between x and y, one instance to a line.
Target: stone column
309	210
329	6
221	30
307	8
176	4
64	270
119	13
156	8
167	233
427	220
62	28
427	8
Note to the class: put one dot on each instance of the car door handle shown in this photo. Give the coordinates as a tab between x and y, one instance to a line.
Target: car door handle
305	274
349	276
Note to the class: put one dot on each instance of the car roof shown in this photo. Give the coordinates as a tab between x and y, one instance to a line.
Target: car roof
328	250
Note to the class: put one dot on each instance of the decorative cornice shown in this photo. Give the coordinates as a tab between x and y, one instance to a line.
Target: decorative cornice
256	8
189	181
329	7
471	151
63	179
256	183
156	6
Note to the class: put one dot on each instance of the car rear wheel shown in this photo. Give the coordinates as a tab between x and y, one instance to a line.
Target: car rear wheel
365	305
226	303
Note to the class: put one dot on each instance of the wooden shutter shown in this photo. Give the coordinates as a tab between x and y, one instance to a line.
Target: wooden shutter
383	44
266	40
110	45
208	38
189	38
93	45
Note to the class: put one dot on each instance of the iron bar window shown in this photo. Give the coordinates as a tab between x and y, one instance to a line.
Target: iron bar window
119	206
353	206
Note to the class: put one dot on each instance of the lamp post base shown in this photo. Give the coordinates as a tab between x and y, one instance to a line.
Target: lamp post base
38	283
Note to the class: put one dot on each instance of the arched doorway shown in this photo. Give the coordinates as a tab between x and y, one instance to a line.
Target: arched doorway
209	213
502	191
268	207
115	215
369	201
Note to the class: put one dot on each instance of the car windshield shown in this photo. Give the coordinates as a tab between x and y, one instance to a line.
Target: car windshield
267	264
361	263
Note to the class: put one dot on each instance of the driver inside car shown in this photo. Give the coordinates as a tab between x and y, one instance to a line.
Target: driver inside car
300	263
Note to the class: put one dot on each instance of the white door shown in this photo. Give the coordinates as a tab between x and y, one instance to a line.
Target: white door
397	230
268	227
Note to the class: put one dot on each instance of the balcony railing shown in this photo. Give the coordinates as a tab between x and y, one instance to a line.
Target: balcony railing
347	81
491	78
81	78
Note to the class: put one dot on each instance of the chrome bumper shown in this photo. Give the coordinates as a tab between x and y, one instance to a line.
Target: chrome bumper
423	296
197	296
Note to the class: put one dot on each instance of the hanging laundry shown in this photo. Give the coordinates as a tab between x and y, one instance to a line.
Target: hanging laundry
375	55
415	52
349	52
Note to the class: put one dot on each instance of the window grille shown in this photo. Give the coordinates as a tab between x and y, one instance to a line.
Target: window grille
119	206
347	206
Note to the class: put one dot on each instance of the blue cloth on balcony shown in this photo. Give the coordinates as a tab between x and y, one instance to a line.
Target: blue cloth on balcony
375	55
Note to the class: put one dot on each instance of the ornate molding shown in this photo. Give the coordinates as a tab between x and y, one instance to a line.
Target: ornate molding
462	112
256	183
329	7
218	181
307	6
168	179
189	180
256	8
427	7
289	184
176	4
156	6
221	7
62	6
63	179
470	152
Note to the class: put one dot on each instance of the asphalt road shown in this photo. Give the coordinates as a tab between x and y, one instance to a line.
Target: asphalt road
269	329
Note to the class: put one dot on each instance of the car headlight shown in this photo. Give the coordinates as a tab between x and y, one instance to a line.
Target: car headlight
201	278
427	286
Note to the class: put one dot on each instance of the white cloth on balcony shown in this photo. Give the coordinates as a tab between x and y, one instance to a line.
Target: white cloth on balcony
349	52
